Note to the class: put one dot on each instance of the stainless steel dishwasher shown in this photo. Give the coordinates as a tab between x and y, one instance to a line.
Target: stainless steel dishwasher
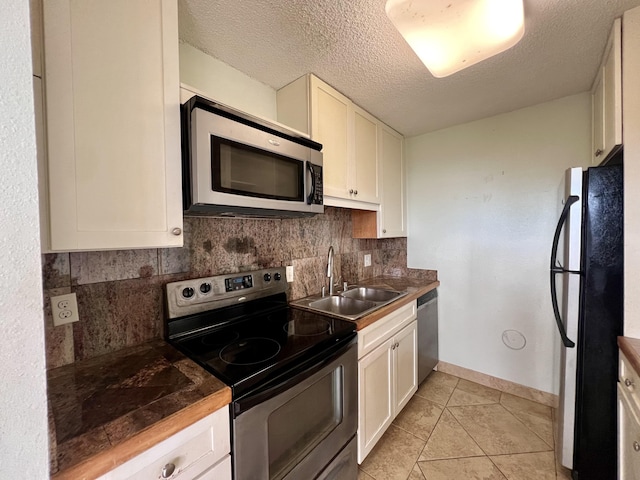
427	334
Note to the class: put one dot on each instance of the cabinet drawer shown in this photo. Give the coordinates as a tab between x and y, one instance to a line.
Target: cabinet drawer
378	332
192	450
630	382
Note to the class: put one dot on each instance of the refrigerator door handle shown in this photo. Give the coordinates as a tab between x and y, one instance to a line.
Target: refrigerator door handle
558	269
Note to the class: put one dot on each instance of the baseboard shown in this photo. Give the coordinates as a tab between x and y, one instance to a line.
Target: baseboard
506	386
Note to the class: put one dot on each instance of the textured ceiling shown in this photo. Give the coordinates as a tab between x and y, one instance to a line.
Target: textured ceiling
353	46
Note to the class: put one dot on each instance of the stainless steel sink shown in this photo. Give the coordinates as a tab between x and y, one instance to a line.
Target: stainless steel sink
371	294
341	305
351	304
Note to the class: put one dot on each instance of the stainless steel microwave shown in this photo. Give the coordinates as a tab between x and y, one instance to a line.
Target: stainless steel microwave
235	164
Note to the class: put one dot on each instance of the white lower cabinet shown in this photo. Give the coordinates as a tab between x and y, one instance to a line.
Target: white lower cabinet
199	452
628	439
387	373
628	421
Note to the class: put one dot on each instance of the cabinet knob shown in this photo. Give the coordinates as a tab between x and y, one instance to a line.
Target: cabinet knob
598	152
628	382
351	190
384	230
636	446
176	231
167	470
355	192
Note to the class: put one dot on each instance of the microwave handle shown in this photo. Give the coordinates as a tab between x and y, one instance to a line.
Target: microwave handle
313	183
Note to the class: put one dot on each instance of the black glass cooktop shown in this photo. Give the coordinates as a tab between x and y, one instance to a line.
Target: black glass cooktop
246	346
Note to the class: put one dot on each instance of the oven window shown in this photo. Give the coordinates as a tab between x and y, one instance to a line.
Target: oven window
296	427
244	170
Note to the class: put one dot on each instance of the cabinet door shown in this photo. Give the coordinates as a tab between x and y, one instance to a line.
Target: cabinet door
405	365
375	397
607	98
392	221
365	165
628	439
35	9
113	124
331	126
597	111
612	98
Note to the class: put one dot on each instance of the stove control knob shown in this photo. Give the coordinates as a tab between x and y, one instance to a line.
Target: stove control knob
205	287
188	292
267	277
277	277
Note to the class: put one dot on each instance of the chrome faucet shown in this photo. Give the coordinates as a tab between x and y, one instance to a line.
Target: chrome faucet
330	269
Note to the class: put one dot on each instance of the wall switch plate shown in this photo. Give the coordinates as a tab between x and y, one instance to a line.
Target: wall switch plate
289	273
64	309
367	260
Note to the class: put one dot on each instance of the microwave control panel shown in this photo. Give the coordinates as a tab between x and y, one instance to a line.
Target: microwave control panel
315	197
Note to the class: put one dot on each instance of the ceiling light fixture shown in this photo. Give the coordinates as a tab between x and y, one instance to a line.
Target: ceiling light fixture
450	35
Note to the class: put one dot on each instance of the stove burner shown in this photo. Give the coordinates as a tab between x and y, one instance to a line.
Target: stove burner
307	329
249	351
219	339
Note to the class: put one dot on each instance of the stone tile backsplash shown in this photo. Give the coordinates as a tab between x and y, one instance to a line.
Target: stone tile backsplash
121	293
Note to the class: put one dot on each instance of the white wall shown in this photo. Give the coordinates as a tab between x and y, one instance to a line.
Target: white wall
220	82
23	401
483	205
631	135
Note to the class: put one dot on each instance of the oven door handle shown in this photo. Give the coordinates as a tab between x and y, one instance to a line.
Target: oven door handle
289	379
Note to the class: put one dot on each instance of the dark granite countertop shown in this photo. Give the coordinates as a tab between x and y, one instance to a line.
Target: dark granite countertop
106	410
416	285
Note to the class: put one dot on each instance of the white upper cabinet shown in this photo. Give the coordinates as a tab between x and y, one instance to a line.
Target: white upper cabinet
113	124
347	133
365	180
331	125
35	10
606	98
391	218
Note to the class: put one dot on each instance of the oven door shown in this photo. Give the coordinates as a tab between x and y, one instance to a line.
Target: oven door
308	423
238	165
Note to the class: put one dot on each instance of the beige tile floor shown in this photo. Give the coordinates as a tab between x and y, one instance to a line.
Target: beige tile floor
453	429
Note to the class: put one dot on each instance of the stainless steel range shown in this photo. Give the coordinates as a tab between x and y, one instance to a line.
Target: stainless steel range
293	373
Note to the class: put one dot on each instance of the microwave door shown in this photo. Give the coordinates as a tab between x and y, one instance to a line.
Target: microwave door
236	165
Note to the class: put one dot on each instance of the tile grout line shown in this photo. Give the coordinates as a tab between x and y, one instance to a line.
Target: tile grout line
552	447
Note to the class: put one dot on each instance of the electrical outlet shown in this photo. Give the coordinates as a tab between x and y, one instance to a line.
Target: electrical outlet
64	309
289	273
367	260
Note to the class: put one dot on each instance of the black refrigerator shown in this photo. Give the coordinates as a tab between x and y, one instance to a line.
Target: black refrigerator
587	299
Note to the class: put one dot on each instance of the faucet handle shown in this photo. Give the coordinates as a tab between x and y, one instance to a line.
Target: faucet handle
323	290
344	286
